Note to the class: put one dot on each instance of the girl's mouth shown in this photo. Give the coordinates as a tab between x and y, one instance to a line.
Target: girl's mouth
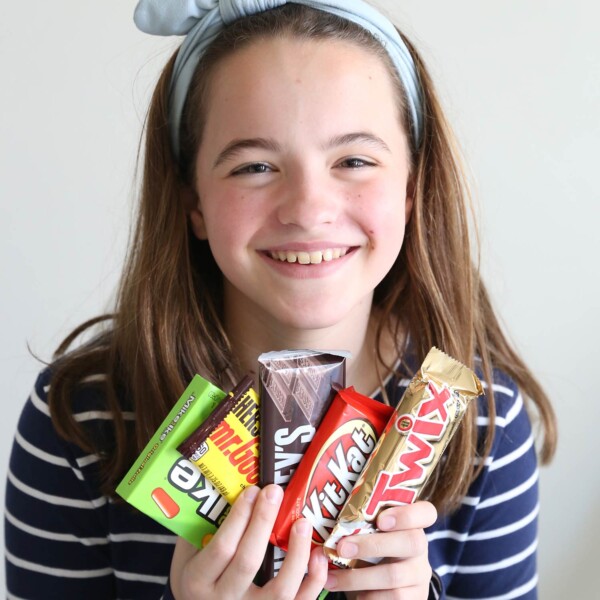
314	257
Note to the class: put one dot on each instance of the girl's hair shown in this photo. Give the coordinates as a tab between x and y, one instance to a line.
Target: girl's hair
167	325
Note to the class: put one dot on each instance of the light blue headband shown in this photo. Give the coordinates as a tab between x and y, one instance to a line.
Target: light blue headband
203	20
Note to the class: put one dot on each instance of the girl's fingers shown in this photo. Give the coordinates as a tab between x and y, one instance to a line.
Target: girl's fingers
392	544
183	554
293	569
414	516
412	593
220	551
402	544
411	573
403	538
248	552
314	582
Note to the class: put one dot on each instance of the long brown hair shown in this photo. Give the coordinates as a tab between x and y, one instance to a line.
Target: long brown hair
167	323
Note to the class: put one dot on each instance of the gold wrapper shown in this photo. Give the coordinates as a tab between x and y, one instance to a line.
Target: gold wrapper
410	447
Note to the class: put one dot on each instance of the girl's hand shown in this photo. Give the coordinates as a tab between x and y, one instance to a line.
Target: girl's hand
405	573
225	568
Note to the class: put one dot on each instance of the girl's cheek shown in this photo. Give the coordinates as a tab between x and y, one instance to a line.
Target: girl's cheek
380	213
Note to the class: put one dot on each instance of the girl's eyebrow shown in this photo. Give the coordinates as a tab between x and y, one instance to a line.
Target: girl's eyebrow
238	145
357	137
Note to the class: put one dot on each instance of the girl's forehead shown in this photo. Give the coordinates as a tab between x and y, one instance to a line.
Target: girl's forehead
281	61
273	50
300	91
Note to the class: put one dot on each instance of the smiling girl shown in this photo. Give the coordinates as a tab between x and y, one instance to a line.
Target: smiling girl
300	190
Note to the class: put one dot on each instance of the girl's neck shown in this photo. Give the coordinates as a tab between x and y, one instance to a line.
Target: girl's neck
252	333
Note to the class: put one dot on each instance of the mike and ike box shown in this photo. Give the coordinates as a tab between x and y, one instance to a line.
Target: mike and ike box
167	487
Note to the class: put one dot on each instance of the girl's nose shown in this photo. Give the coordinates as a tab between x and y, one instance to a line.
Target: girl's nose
308	201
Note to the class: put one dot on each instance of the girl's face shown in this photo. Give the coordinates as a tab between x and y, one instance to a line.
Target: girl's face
302	178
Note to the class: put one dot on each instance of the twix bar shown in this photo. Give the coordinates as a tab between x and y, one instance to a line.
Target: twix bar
409	448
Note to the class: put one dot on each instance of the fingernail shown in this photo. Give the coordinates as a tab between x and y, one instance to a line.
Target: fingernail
303	527
274	493
251	494
331	582
387	522
348	550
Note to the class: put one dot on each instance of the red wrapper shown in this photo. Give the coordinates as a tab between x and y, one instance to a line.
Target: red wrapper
331	465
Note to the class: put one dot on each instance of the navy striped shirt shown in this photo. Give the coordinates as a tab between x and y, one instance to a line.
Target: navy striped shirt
65	540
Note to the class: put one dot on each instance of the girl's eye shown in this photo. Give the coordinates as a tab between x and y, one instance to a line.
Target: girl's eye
355	163
252	168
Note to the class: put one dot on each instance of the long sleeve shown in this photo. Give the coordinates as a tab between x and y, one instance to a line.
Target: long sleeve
64	539
487	549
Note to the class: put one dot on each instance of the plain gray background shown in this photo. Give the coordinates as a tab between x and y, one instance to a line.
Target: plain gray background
521	84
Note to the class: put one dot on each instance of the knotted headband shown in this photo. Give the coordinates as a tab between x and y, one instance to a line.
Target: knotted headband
202	20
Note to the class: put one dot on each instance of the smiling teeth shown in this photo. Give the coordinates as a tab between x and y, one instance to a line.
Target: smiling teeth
309	258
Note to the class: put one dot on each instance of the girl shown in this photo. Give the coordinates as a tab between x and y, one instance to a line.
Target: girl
300	190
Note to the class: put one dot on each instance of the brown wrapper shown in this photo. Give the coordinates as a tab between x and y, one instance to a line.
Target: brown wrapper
296	389
225	446
410	447
193	443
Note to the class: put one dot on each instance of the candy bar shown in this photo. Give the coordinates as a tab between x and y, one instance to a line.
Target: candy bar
225	446
410	447
331	465
298	384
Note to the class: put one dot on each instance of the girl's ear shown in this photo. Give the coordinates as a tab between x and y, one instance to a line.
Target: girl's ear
197	223
196	217
408	203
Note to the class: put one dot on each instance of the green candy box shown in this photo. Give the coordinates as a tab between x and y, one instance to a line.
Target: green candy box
169	488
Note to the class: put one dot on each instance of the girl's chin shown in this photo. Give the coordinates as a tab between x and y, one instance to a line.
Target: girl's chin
301	310
308	324
315	318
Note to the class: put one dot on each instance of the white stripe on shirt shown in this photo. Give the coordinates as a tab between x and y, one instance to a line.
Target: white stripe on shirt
39	403
82	416
52	535
91	541
515	409
500	421
94	378
143	537
511	456
46	456
516	593
516	491
54	571
470	500
487	568
90	459
499	388
52	499
90	415
141	577
485	535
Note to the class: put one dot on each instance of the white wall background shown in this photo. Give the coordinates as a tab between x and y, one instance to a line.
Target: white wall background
521	83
